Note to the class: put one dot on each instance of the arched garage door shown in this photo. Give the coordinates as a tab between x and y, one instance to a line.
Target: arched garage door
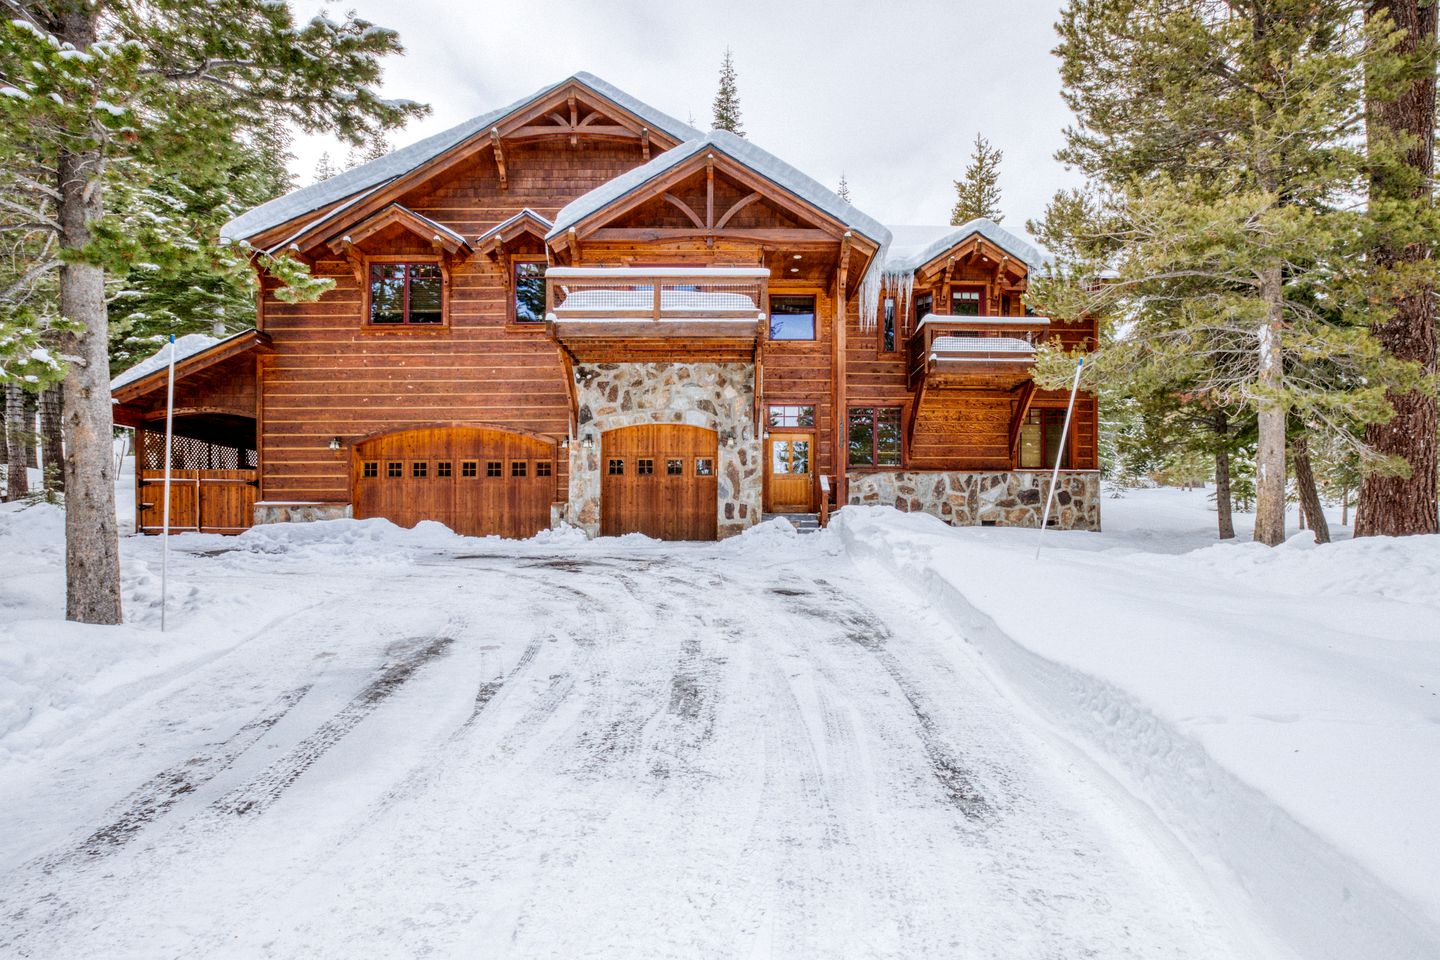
475	481
659	480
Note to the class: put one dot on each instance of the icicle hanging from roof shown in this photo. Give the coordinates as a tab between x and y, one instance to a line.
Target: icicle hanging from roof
898	284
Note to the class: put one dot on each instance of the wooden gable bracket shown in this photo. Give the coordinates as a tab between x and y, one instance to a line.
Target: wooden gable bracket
945	283
709	197
684	208
574	118
357	262
843	270
1017	418
494	247
499	157
645	143
736	207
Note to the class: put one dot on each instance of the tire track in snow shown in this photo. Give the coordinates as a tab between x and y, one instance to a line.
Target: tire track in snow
256	796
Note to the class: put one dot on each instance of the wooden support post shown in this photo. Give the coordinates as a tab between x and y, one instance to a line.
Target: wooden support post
499	157
645	143
709	199
839	416
574	246
574	119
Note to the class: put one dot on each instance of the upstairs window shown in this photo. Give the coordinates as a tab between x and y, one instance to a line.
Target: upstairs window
406	293
874	437
924	306
529	286
792	318
965	303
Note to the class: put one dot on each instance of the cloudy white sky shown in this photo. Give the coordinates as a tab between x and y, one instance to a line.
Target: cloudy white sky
889	93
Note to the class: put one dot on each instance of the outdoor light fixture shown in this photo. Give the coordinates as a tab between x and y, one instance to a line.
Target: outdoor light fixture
334	443
797	256
588	443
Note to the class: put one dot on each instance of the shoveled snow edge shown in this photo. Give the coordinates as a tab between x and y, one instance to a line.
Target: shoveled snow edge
1322	903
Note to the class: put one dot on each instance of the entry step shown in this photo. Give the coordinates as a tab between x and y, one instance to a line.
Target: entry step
802	522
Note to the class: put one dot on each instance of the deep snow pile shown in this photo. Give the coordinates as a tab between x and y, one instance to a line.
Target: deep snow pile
1280	709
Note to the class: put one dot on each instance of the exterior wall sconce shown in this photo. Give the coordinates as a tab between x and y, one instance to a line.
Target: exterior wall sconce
334	443
587	443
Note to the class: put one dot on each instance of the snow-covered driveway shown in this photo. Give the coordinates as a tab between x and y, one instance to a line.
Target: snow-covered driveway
749	749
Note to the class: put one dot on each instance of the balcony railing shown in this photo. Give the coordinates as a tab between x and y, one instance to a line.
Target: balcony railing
975	351
655	302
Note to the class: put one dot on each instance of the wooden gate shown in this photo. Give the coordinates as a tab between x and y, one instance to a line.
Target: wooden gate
659	480
476	481
212	485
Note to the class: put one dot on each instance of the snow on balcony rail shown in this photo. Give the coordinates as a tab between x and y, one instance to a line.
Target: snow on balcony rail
987	349
662	293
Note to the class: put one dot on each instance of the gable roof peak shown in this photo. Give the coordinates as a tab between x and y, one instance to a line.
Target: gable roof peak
375	174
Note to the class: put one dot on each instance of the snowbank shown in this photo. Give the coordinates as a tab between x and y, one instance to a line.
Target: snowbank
1279	709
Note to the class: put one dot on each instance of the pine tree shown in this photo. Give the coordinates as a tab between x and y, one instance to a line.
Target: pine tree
727	99
92	91
325	168
373	150
1216	141
978	195
1401	141
843	190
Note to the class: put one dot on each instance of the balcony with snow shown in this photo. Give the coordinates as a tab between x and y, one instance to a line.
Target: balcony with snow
636	313
983	353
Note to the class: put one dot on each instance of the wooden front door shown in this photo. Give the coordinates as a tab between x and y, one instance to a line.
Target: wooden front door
659	480
474	480
790	472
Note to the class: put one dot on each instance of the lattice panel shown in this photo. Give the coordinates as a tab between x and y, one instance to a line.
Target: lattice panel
187	453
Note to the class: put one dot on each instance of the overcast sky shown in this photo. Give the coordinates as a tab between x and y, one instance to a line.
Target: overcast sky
891	93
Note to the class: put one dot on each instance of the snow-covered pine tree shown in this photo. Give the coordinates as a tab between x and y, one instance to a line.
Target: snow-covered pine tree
1216	142
87	86
727	99
325	168
1401	133
201	285
978	194
843	190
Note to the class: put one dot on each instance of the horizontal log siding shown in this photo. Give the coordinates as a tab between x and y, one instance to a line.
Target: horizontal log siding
331	376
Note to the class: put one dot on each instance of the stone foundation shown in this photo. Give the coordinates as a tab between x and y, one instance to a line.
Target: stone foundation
281	512
717	396
1013	499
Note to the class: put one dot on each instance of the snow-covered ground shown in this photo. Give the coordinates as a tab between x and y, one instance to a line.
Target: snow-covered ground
889	739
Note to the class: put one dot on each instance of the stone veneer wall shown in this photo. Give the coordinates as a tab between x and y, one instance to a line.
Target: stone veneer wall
717	396
1013	499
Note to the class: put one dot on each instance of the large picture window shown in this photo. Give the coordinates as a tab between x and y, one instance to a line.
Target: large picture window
874	437
529	277
406	293
792	318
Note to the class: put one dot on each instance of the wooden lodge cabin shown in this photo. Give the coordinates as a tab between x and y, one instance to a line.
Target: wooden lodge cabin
578	309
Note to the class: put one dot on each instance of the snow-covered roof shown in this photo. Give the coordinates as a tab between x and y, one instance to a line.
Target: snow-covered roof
742	151
950	346
950	319
185	347
914	246
397	163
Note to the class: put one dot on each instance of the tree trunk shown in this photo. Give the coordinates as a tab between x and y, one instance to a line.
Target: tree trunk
1270	454
1345	507
32	408
1314	510
92	544
51	444
1398	506
1224	508
17	481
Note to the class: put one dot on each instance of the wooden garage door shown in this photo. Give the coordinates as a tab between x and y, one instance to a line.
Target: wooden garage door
659	480
475	481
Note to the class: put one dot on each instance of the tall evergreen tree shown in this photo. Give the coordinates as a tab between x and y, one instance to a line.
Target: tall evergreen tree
727	99
1218	140
1401	134
92	89
843	190
325	168
978	194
